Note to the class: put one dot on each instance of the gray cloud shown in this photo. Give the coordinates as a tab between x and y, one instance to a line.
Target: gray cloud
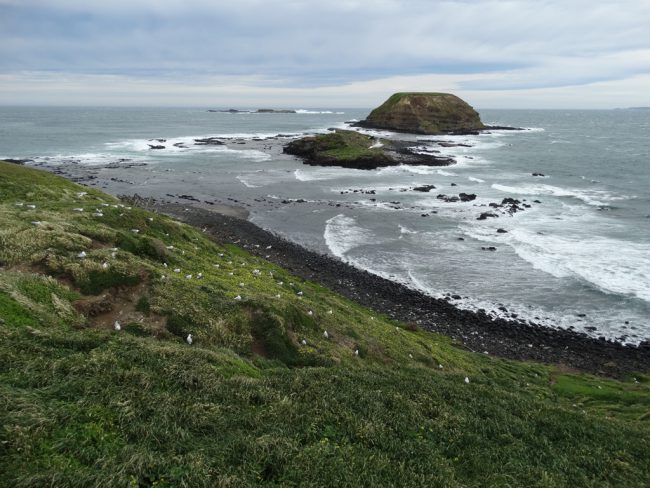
510	45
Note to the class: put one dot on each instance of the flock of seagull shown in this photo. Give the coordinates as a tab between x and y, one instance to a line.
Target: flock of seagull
256	272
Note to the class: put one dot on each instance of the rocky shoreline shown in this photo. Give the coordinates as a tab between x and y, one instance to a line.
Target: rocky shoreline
475	331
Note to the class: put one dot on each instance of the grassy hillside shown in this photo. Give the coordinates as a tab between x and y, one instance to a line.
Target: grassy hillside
261	396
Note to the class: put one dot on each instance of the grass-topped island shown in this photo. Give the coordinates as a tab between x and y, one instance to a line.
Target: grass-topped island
284	383
350	149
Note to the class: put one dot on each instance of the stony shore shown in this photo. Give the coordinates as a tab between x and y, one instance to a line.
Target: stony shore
477	332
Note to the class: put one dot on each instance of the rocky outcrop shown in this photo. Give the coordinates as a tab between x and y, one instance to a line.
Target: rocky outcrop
350	149
424	113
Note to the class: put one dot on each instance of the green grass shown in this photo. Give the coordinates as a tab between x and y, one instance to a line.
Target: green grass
342	145
248	403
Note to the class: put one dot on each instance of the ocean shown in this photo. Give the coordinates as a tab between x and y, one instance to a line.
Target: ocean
578	256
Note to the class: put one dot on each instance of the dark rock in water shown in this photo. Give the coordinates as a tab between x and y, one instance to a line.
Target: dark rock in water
424	188
452	144
510	201
155	146
490	248
486	215
209	141
456	297
454	184
158	140
502	231
536	201
467	197
461	239
448	199
538	174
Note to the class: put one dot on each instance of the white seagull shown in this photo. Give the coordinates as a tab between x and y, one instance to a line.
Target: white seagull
188	339
117	325
326	335
82	254
466	380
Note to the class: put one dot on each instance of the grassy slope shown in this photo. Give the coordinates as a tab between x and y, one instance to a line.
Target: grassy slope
84	405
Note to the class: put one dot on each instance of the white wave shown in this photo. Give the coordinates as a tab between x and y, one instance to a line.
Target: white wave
591	197
477	180
246	183
442	172
406	230
611	265
320	174
402	169
342	234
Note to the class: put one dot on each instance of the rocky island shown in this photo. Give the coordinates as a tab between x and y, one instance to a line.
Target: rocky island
350	149
426	113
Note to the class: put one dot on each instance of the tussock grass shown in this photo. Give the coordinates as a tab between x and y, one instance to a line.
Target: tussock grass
248	403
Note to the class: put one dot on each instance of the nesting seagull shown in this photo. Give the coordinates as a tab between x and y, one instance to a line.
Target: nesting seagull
326	335
356	352
241	285
238	297
188	339
304	342
189	276
310	313
117	325
82	254
330	312
104	265
31	206
78	209
177	270
135	231
299	293
466	380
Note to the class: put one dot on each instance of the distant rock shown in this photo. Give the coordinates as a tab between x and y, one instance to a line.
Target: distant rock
274	111
258	111
424	188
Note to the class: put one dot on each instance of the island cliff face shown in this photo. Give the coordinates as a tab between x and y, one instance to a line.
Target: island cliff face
424	113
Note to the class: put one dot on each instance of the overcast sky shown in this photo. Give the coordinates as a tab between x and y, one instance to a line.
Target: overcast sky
324	53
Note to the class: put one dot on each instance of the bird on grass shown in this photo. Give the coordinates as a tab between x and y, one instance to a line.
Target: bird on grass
310	313
304	342
188	339
356	352
82	254
117	325
326	335
238	297
466	380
